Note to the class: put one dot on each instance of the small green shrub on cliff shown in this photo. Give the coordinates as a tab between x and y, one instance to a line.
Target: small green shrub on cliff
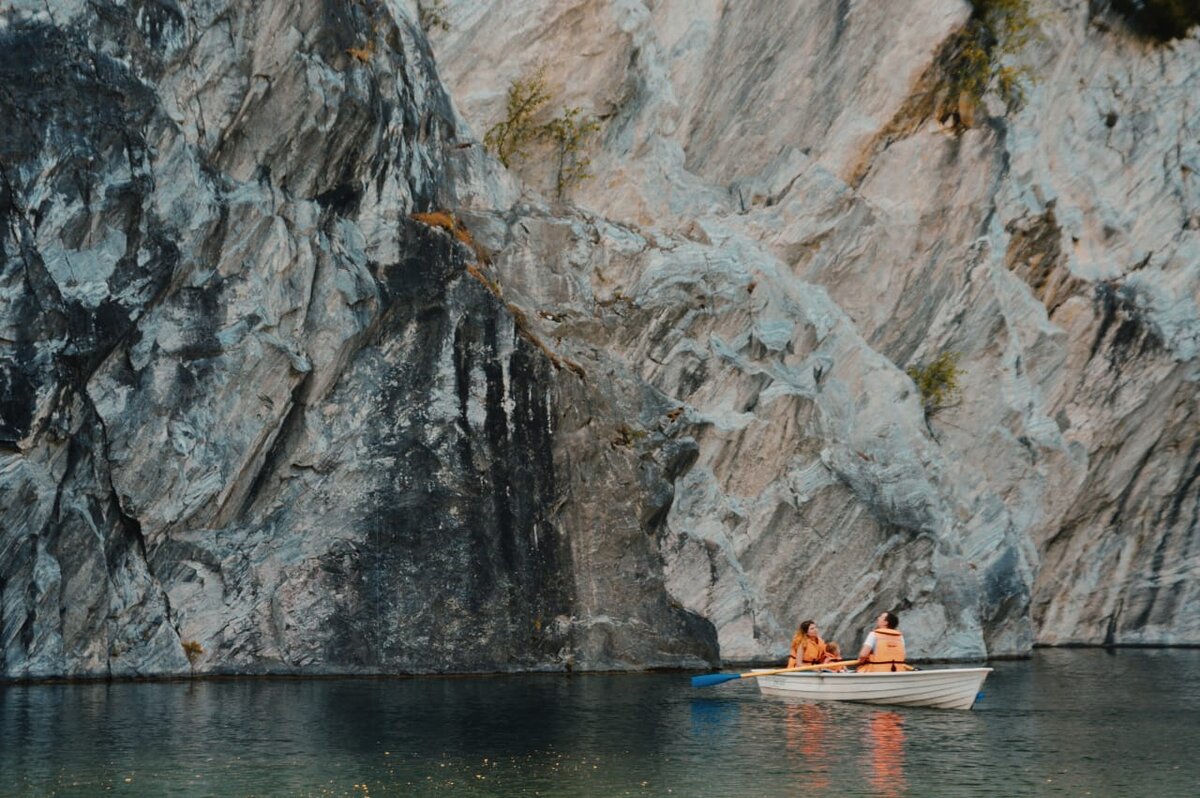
570	133
627	436
938	382
432	14
522	128
193	651
1161	19
509	138
975	60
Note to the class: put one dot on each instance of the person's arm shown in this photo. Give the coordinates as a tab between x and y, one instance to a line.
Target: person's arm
864	654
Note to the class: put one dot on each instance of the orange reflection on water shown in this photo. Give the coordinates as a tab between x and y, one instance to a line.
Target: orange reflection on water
805	726
885	731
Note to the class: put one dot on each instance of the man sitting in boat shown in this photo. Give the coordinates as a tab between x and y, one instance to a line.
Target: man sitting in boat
883	650
807	647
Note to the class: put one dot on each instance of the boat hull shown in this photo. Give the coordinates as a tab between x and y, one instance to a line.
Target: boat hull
947	688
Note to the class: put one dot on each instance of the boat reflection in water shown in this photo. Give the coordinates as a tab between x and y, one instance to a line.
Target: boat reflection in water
805	727
886	738
825	741
714	719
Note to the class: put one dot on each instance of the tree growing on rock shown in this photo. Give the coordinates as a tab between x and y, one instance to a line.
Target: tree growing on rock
509	138
979	58
523	127
938	382
570	132
431	14
193	651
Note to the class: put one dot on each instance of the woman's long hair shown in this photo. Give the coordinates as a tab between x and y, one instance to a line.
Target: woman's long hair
801	633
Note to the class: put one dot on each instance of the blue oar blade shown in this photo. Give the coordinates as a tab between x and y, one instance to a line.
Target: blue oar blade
709	679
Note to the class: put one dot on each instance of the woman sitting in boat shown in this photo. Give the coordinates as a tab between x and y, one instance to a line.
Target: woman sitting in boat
883	650
807	647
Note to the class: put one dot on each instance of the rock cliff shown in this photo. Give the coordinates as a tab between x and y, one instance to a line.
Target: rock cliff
266	407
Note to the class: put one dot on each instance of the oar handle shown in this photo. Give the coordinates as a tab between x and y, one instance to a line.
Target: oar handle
712	679
822	666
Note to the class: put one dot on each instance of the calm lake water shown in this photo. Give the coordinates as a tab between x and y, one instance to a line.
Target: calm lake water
1071	722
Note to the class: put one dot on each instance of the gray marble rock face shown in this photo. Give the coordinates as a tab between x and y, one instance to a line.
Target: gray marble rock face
1055	249
250	405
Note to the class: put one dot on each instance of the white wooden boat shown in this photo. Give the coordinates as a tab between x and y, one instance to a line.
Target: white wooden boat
946	688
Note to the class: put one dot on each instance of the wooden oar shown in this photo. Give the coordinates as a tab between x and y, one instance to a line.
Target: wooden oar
710	679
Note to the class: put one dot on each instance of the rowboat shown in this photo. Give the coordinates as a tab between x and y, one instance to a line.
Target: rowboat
946	688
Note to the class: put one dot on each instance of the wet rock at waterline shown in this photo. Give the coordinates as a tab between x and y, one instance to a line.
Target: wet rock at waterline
254	417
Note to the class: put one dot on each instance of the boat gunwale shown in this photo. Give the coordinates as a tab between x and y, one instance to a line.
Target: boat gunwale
915	690
943	688
888	674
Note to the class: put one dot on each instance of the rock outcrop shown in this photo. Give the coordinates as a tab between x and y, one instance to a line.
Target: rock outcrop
251	405
261	395
1055	249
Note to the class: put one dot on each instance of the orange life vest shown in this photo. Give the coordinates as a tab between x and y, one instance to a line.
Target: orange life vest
814	652
888	654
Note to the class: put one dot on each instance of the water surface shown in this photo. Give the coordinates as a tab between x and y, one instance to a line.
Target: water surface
1067	722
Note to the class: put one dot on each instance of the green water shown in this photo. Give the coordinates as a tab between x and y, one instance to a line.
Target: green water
1079	722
